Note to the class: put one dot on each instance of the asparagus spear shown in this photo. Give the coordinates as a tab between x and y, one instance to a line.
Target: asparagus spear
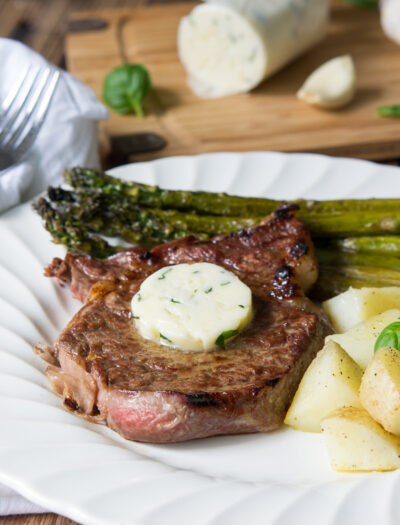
172	224
335	258
389	244
155	197
333	280
118	217
352	223
65	230
103	213
97	213
211	203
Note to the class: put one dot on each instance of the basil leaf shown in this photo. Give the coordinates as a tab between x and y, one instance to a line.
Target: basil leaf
389	111
372	4
220	341
390	336
125	87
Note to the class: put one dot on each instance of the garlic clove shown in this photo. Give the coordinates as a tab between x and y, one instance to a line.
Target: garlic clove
390	19
331	85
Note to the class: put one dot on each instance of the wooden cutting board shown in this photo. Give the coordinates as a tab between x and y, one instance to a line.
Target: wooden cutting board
270	118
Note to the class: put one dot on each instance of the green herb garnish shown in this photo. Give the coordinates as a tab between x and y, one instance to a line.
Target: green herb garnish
371	4
175	301
135	316
125	87
209	290
220	341
241	305
164	274
196	271
165	338
224	284
139	297
390	336
389	111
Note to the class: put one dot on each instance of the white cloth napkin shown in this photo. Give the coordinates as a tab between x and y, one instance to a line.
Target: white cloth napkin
69	135
13	503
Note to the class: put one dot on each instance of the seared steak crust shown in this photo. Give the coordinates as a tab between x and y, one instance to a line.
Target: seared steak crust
275	257
153	393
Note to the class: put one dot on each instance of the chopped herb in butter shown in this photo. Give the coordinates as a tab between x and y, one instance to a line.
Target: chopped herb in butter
164	274
168	310
165	338
222	338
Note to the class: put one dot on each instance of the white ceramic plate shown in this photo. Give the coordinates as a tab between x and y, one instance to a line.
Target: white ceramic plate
88	472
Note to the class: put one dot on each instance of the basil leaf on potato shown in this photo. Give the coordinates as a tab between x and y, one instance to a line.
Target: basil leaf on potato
390	336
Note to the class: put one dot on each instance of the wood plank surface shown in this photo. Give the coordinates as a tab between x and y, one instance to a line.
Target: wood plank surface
270	117
37	519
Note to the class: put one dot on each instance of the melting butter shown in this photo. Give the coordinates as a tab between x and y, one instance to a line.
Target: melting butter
192	307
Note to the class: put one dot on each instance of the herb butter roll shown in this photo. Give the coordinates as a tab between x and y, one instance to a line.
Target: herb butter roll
230	46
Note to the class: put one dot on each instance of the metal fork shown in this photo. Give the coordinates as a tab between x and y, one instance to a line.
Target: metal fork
23	111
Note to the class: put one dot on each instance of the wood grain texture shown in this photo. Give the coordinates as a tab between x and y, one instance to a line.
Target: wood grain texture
38	519
270	117
24	21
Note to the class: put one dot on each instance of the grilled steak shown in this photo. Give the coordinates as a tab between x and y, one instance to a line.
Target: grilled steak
274	258
148	392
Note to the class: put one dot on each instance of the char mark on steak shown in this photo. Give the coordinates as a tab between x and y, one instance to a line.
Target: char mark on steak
255	255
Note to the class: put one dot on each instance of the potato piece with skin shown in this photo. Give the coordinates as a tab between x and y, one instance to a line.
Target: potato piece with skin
359	342
331	381
380	389
356	442
356	305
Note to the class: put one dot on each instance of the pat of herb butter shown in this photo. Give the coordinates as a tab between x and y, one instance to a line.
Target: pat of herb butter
192	307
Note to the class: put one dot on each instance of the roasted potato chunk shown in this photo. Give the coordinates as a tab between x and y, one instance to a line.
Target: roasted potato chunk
380	389
356	442
357	305
359	341
331	381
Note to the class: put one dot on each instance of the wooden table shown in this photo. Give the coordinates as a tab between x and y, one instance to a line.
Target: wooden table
24	20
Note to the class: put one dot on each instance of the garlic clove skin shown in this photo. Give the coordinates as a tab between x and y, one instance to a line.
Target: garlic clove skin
390	19
332	85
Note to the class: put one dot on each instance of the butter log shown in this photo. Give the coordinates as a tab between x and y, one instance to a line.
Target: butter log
230	46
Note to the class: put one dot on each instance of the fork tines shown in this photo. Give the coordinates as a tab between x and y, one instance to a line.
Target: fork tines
24	109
